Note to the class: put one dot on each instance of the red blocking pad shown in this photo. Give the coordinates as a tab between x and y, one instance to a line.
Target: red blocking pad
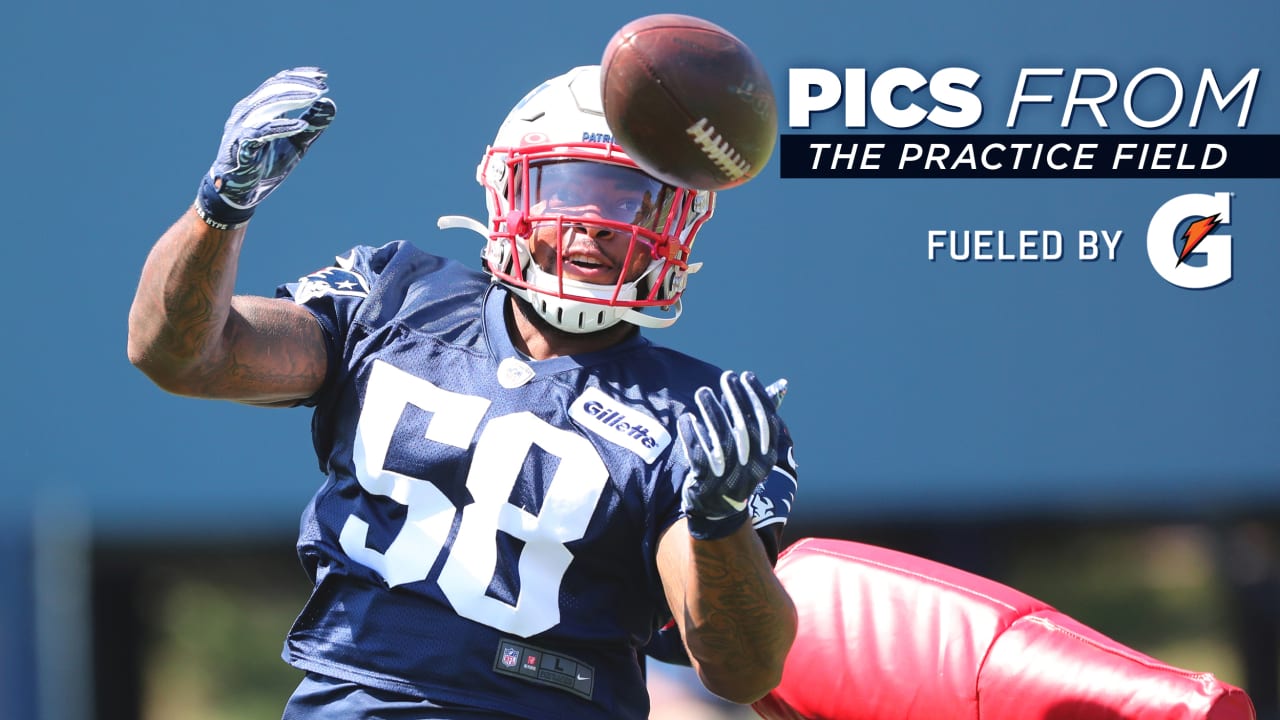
887	635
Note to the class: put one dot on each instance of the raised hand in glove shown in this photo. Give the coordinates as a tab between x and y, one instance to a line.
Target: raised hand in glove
261	143
731	443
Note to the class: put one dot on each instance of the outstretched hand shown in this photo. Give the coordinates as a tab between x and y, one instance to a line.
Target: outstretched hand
261	144
731	443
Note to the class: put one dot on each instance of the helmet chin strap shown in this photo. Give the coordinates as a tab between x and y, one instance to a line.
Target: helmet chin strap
630	315
448	222
635	317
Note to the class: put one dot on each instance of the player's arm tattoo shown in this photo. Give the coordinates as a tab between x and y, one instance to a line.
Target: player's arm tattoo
188	333
737	621
738	614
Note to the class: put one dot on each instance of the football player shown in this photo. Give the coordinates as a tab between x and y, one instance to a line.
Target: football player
518	483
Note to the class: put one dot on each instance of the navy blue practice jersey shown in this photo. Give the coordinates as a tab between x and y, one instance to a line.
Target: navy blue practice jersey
486	533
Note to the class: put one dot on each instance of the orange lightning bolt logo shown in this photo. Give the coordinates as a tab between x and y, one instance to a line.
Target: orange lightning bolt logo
1195	233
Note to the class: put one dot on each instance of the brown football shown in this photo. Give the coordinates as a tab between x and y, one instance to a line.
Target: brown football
688	101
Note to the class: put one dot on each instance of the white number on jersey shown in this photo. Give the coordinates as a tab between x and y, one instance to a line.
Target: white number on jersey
504	442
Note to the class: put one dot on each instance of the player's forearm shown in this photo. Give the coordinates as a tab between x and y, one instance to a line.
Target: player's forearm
180	310
738	621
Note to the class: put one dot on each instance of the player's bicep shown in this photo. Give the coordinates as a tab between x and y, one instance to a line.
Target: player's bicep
275	353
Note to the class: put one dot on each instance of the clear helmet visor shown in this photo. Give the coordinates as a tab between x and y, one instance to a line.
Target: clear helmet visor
595	190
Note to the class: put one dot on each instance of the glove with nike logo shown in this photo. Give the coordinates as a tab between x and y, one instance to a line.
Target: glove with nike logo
731	444
261	144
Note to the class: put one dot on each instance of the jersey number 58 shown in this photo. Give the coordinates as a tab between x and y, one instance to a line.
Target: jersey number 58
500	451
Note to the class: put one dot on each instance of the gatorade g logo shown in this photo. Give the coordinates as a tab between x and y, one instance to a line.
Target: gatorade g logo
1190	254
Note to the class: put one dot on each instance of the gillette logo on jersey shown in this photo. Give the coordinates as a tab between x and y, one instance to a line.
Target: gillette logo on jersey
623	425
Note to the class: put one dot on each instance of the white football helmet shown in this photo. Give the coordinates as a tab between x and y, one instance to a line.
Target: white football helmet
556	143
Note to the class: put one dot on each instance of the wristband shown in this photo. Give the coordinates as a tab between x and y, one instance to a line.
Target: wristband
216	212
705	528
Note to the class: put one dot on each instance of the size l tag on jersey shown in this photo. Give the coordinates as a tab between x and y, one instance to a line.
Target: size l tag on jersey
528	662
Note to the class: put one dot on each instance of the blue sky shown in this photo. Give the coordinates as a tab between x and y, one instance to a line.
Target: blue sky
917	388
